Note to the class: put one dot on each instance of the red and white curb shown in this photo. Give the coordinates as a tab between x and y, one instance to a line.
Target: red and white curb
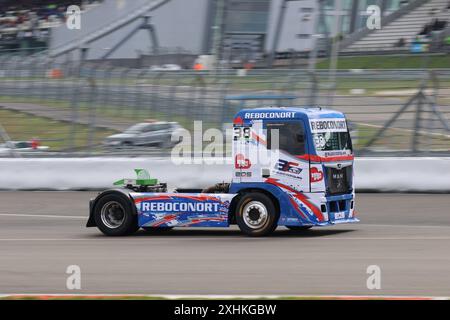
217	297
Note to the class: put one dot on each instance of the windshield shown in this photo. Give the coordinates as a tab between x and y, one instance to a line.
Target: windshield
137	128
330	134
332	141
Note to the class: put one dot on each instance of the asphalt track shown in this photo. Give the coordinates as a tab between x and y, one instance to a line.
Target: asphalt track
406	235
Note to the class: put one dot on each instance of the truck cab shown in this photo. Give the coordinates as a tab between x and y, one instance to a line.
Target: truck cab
304	152
292	167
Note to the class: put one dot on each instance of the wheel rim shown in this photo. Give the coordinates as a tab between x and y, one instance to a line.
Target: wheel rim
112	214
255	214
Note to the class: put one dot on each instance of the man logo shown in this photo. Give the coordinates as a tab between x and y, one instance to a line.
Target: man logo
73	17
339	166
374	17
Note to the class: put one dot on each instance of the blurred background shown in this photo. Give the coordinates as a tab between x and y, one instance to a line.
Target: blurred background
138	70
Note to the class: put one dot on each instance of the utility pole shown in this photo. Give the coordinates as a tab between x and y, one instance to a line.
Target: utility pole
335	50
335	47
276	34
316	37
217	32
319	21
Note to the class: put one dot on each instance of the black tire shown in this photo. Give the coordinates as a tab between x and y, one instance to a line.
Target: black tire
256	214
114	215
156	229
299	228
166	144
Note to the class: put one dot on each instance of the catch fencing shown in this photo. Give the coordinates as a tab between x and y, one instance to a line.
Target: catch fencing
71	106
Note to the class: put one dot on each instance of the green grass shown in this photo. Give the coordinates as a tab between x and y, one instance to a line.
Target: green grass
23	127
55	134
399	139
388	62
115	113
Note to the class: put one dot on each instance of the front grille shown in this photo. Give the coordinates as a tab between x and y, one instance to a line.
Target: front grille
339	181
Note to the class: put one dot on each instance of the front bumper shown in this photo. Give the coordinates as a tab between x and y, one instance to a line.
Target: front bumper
339	221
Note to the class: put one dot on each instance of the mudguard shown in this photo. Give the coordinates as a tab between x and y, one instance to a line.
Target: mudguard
93	202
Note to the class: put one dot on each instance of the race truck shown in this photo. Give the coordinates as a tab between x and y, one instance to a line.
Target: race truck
291	167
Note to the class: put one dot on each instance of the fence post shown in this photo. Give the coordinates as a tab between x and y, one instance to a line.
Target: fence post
200	80
156	86
74	106
140	87
92	108
124	96
43	81
312	100
172	98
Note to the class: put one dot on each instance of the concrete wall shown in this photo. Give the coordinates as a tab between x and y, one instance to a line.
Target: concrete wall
179	23
295	23
371	174
184	24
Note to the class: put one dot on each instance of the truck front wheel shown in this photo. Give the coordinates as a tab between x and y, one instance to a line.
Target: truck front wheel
114	216
256	215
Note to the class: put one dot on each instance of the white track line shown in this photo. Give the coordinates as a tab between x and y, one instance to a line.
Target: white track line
398	225
52	239
195	238
41	216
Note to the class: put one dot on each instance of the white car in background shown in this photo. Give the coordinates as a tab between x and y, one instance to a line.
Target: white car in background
166	67
20	147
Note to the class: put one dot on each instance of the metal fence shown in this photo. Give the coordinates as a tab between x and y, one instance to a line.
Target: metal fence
71	107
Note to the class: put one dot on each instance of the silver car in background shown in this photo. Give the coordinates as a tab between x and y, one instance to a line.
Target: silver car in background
146	134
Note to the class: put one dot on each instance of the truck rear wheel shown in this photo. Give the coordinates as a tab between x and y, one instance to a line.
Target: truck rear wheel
114	216
256	215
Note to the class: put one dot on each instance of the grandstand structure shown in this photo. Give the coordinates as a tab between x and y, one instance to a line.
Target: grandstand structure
27	24
178	26
109	28
249	29
399	30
